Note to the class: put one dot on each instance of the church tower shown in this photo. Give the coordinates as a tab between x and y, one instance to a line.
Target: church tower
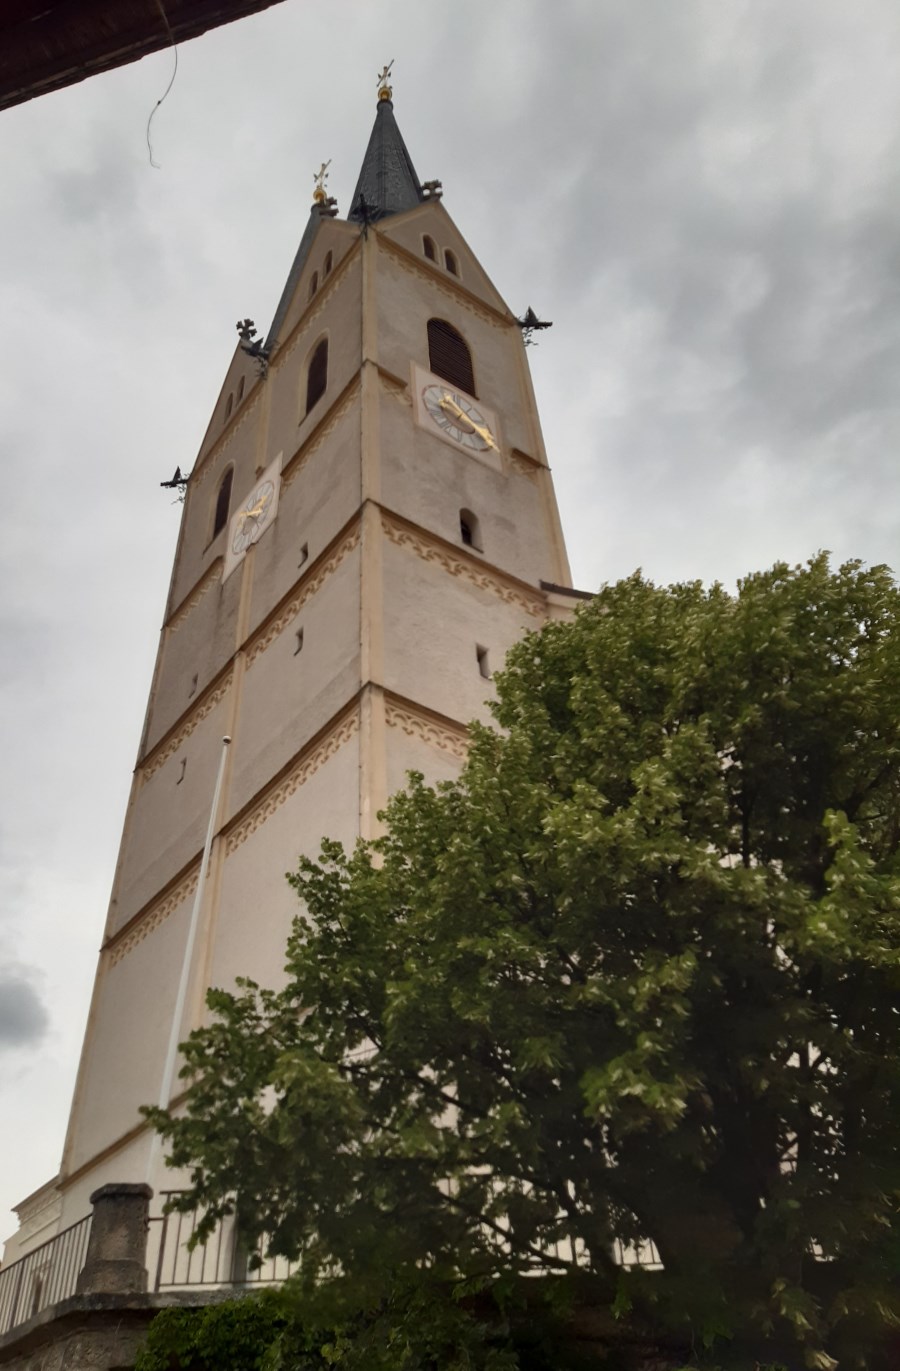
369	525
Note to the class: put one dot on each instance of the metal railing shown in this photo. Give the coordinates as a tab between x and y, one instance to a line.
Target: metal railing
50	1273
221	1260
43	1277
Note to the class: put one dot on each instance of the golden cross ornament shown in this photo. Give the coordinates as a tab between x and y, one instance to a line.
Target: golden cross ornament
384	90
320	177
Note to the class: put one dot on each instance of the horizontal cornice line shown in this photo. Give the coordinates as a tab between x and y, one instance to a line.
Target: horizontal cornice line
339	729
322	429
194	596
179	888
406	702
198	710
185	724
315	750
475	568
312	580
418	721
291	605
289	471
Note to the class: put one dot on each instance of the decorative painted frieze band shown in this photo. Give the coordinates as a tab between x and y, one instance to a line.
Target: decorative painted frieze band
320	434
447	285
205	705
205	464
207	580
468	570
306	766
417	724
270	631
154	915
324	297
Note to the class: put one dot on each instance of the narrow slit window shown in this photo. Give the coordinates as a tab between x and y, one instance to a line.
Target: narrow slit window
299	647
429	248
469	529
304	556
229	406
484	667
182	771
223	502
449	355
329	262
317	375
451	263
314	284
240	390
193	688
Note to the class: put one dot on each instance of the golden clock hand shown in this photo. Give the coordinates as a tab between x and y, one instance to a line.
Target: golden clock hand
255	512
483	432
447	403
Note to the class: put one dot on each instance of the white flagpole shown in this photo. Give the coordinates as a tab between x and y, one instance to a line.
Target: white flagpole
165	1088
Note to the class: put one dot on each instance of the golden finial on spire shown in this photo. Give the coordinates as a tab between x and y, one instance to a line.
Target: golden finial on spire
320	177
384	90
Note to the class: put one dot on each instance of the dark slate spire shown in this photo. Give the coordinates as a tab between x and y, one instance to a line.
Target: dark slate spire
387	183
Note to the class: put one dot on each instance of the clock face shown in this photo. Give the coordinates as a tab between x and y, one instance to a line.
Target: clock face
458	417
253	516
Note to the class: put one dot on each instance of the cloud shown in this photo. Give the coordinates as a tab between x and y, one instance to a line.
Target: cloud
703	198
23	1016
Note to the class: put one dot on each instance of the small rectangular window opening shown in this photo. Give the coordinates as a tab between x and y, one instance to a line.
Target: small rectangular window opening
481	655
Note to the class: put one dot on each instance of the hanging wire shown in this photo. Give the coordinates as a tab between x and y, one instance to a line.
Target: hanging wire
165	18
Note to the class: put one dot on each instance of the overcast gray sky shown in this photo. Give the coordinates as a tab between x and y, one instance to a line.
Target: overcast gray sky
701	194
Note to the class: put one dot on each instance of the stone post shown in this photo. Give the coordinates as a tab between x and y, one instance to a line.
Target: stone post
117	1249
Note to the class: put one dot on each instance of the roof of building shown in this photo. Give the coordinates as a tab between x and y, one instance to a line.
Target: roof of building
387	183
312	227
44	45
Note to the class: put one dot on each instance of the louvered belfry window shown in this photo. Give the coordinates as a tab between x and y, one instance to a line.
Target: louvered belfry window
449	355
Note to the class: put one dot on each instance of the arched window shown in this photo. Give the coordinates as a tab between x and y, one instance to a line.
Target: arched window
328	262
449	355
317	374
451	263
223	502
469	529
430	250
229	405
240	394
314	284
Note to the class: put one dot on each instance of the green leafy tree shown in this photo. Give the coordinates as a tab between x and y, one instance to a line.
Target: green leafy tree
635	976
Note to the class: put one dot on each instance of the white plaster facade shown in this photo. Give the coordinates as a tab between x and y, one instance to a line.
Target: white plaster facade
365	557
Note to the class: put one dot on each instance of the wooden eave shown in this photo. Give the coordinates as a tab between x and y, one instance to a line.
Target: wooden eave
48	44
